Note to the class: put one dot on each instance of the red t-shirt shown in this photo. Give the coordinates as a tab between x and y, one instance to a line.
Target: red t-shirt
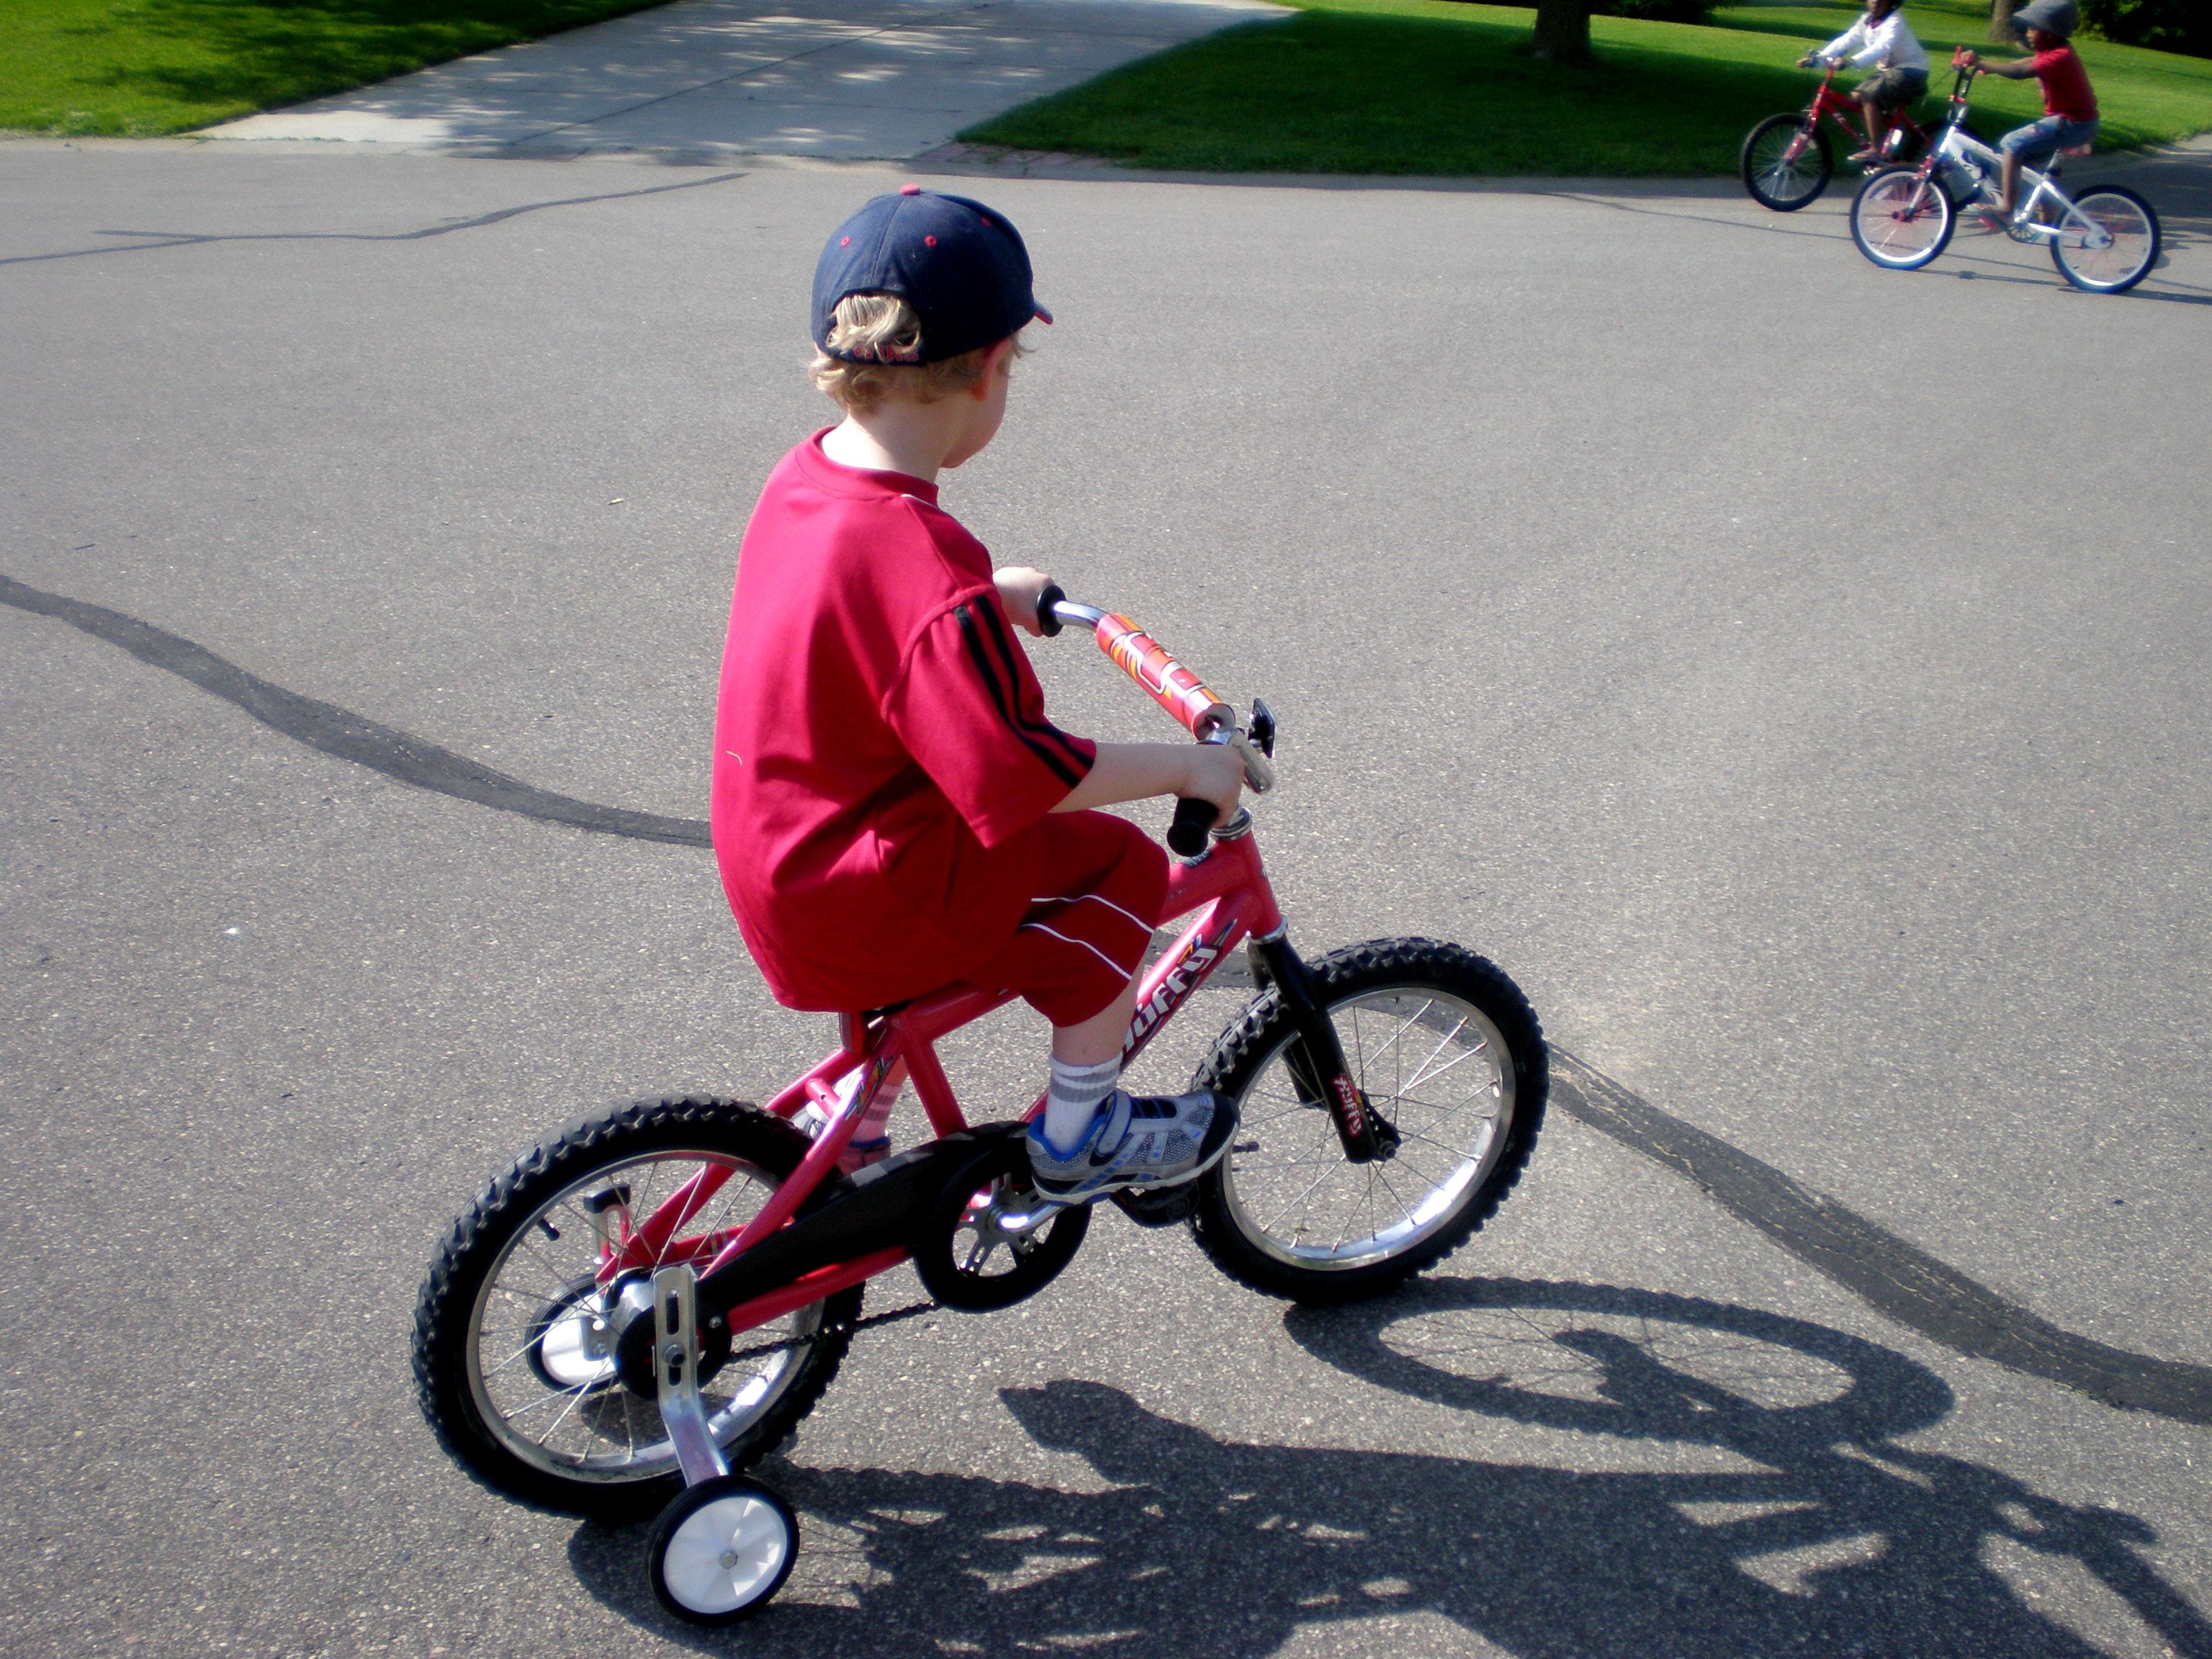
2065	84
882	758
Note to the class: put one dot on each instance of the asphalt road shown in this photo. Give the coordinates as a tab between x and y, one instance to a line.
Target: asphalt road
1794	674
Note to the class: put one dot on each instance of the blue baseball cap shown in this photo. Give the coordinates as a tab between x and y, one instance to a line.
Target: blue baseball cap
958	263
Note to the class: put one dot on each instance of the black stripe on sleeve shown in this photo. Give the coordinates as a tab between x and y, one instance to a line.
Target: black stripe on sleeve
1002	697
1002	639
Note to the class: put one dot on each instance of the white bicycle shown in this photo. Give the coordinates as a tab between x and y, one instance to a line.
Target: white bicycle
2104	240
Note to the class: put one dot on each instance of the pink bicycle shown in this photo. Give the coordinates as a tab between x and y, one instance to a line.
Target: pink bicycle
650	1301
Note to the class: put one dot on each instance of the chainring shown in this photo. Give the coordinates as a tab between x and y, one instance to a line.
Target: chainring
989	1241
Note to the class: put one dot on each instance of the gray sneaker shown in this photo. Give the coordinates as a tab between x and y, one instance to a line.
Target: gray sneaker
1135	1142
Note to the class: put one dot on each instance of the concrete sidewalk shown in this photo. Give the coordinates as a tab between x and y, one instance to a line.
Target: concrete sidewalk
846	79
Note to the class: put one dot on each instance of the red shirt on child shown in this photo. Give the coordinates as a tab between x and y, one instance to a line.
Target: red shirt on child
883	765
2065	84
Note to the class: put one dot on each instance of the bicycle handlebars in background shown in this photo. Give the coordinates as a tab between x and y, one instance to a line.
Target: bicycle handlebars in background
1181	693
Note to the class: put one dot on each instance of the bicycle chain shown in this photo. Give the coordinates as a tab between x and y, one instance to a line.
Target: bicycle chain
851	1328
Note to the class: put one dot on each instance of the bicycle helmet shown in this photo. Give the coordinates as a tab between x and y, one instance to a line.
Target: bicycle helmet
2059	17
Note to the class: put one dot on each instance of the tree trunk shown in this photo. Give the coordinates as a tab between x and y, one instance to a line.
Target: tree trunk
2001	13
1563	31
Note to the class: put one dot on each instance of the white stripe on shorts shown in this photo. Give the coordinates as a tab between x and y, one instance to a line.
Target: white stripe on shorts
1124	972
1077	898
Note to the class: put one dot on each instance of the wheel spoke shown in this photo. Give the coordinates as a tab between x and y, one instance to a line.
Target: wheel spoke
1298	1203
1294	1202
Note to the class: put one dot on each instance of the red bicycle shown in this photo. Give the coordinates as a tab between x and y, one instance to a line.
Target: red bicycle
1786	160
578	1339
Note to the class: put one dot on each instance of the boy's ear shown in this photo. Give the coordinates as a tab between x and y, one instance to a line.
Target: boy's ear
994	359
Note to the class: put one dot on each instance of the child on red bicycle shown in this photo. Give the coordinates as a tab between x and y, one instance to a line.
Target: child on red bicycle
2069	107
1881	41
892	811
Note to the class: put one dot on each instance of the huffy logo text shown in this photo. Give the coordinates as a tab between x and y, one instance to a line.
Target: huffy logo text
1179	979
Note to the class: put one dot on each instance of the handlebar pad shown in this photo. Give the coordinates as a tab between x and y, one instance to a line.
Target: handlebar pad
1161	679
1192	818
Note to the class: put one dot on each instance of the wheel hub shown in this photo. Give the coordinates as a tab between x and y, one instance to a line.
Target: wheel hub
630	1339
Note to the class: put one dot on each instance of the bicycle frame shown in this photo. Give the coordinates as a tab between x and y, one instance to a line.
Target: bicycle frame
1958	146
1830	104
1225	893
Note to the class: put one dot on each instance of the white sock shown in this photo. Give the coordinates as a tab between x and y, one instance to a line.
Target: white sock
1071	1101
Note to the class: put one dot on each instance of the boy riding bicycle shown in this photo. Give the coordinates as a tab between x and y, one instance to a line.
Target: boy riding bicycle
2069	107
892	811
1881	41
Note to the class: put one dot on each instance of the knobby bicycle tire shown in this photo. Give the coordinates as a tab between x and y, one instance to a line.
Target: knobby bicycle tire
1283	1212
477	1395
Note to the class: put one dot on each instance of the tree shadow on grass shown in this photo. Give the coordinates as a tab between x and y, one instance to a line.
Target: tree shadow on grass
252	54
1329	92
1765	1507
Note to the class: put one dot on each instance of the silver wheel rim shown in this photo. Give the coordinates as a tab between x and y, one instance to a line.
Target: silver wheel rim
540	1379
1895	240
2121	257
725	1553
1438	1070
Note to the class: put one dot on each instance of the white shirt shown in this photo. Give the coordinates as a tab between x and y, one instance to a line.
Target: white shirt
1888	44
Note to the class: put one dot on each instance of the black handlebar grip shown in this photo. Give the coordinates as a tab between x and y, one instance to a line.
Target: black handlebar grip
1192	818
1048	618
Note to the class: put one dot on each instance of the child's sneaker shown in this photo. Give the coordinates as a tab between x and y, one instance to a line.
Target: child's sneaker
1133	1142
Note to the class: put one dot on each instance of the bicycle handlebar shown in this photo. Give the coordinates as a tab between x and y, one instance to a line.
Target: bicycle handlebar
1179	692
1194	820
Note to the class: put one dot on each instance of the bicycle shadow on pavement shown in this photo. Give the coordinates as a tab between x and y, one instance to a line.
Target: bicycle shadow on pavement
1786	1517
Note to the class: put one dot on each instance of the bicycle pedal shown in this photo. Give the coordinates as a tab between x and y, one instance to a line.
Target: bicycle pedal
1155	1206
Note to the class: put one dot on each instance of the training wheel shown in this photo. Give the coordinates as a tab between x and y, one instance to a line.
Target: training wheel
721	1549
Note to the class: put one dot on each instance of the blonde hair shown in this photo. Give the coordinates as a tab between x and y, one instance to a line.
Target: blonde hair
877	341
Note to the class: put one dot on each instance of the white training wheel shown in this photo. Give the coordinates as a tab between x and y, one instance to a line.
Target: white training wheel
721	1549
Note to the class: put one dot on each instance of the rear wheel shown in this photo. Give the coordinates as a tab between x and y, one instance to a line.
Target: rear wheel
2127	229
515	1335
1900	219
1784	164
1446	1050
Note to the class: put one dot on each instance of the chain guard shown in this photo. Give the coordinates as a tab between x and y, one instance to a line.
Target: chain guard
988	1241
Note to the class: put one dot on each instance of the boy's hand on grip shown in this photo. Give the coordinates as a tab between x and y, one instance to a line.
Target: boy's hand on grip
1019	588
1216	775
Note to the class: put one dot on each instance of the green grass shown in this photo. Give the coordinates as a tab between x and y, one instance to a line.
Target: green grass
1437	87
141	68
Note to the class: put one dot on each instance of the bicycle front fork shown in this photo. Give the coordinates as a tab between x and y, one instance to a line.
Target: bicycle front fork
1316	1056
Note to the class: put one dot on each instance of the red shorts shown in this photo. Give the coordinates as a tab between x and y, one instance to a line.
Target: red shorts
1098	896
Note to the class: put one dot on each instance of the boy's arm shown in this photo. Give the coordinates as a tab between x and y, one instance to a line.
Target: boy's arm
1838	48
1128	771
1137	771
2019	68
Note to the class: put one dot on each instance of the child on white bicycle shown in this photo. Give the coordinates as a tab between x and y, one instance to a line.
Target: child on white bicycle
2069	107
892	811
1881	41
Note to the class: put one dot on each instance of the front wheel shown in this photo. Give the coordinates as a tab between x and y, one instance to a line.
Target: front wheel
1901	219
2126	227
1785	164
1446	1050
516	1332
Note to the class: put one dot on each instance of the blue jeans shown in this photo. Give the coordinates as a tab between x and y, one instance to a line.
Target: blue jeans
2039	141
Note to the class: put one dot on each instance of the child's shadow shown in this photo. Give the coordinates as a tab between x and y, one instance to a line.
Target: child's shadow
1785	1521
